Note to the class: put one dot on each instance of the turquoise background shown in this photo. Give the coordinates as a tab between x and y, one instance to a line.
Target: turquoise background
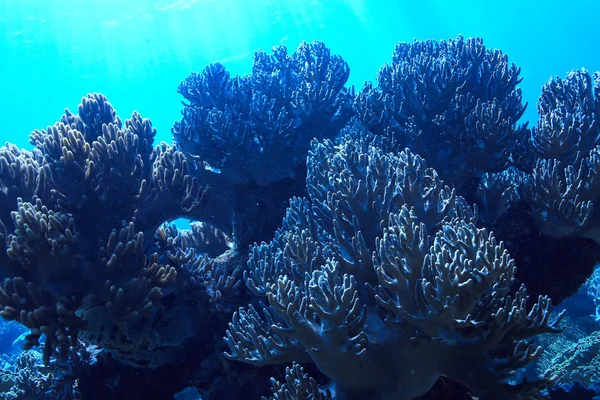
53	52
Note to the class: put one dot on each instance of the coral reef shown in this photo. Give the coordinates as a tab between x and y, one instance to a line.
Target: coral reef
391	272
563	185
249	135
80	244
580	362
22	377
25	376
454	102
382	280
572	356
257	128
593	291
557	194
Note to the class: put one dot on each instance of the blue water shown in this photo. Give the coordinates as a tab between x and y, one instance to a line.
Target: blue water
136	52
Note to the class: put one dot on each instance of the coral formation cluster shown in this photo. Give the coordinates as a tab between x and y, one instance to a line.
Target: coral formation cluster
351	245
249	135
382	280
80	260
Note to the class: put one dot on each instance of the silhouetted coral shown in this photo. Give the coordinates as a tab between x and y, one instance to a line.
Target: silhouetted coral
258	127
563	186
249	135
81	257
454	102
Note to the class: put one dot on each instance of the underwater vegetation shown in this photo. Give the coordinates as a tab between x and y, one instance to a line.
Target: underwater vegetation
406	240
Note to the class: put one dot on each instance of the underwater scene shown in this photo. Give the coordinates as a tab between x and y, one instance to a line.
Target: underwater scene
299	200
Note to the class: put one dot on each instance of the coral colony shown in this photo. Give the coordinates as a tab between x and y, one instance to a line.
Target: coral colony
350	245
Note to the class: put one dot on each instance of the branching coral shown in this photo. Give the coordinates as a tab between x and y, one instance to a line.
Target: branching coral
298	386
498	192
563	186
26	377
23	377
569	110
382	280
257	128
381	276
593	291
454	102
82	259
457	104
249	135
18	177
